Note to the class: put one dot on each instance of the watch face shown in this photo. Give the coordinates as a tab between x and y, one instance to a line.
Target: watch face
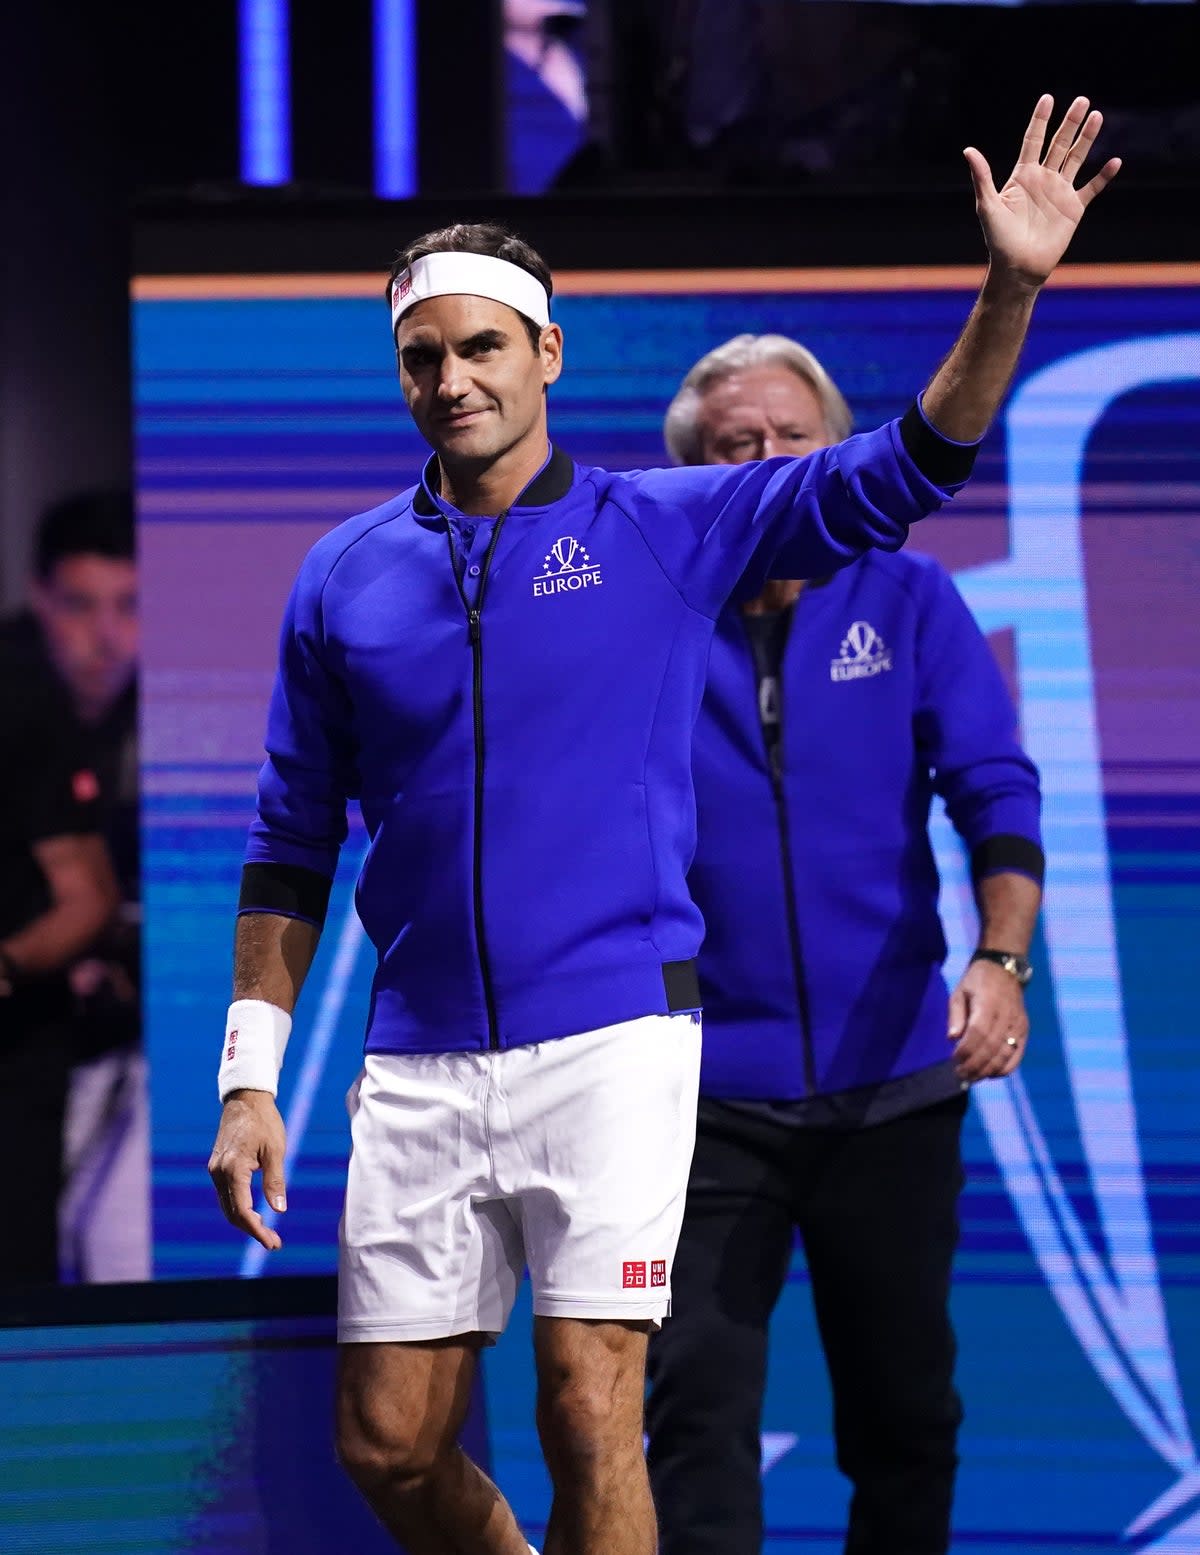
1019	968
1016	966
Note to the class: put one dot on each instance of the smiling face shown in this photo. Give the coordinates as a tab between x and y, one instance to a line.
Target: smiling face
757	413
473	381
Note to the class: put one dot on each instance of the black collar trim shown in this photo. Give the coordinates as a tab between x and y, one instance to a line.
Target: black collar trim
551	485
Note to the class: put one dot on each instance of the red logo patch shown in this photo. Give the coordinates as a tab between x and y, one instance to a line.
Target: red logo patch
229	1051
85	785
658	1272
401	289
633	1276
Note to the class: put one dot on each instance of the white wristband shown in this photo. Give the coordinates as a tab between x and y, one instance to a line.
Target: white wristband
256	1036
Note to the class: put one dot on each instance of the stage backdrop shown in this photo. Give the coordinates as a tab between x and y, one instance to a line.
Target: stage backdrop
268	411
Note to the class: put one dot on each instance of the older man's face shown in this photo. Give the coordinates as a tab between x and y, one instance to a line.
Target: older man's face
758	412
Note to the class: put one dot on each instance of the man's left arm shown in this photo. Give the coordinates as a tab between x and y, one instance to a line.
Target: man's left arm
1028	225
62	833
83	897
799	518
965	728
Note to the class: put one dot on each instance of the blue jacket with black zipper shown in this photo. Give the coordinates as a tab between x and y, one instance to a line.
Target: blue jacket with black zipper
518	730
821	969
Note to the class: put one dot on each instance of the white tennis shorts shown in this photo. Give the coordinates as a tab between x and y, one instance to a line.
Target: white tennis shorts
570	1156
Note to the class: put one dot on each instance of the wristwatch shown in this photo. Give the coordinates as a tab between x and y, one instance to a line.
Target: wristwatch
1019	967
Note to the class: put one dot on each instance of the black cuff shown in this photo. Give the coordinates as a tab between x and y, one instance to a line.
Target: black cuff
939	460
287	889
681	982
1008	851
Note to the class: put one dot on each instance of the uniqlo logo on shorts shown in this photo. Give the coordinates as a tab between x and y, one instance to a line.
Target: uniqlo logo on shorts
658	1272
633	1276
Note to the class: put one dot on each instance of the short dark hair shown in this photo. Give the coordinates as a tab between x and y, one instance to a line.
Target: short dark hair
90	523
480	237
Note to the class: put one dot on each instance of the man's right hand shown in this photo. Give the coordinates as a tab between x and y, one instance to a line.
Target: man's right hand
251	1135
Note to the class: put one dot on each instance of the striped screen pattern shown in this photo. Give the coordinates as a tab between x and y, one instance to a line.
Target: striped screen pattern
267	413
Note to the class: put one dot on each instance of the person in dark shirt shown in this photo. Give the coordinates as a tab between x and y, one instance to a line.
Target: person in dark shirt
57	892
73	653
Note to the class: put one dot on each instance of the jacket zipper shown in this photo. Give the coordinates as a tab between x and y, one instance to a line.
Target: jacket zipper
775	772
475	638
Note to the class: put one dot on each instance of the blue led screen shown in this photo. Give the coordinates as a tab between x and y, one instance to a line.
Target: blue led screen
264	419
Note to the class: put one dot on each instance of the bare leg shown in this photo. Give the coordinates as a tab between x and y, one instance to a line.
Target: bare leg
399	1410
591	1384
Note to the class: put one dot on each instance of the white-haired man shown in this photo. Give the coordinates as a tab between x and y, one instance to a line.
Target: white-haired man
831	1102
504	663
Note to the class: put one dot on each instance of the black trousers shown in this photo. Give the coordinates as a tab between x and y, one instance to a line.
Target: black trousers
35	1058
877	1210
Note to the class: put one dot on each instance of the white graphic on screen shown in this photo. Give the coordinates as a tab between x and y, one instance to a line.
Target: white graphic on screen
1112	1296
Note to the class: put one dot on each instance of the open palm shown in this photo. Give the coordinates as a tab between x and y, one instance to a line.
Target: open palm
1029	223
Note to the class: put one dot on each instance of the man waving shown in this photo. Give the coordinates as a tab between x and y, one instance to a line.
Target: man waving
504	664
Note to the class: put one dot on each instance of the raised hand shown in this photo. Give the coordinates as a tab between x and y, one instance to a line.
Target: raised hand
1029	223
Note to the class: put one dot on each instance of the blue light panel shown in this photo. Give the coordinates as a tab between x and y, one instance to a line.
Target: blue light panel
395	63
265	80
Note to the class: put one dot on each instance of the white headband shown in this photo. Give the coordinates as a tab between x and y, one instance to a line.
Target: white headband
470	275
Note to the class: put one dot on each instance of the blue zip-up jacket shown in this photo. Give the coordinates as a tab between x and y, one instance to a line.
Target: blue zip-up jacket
821	966
523	765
